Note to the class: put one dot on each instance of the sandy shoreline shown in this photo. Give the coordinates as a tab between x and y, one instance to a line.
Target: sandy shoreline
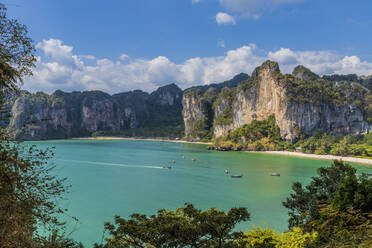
149	139
285	153
327	157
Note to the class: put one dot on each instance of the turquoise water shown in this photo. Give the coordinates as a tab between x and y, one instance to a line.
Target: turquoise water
120	177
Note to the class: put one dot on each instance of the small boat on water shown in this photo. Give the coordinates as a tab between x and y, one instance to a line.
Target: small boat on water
174	161
226	171
236	176
167	167
193	159
275	174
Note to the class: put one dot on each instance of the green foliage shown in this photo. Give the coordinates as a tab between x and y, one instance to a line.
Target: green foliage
322	143
346	228
340	78
186	227
57	240
29	195
297	238
248	84
336	205
337	90
366	81
257	130
259	238
16	51
29	189
267	238
224	105
304	73
202	127
161	112
258	135
355	194
347	220
193	92
303	204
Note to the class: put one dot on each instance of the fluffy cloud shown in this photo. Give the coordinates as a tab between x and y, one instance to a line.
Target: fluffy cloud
253	8
124	56
60	68
224	18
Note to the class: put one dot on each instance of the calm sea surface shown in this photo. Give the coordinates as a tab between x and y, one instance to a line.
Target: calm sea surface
120	177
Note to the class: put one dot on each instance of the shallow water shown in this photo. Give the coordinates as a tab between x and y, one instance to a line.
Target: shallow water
120	177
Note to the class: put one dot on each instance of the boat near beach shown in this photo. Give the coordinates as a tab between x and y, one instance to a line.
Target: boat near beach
236	176
167	167
275	174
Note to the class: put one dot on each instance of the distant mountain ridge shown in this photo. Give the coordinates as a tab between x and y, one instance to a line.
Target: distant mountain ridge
63	115
302	102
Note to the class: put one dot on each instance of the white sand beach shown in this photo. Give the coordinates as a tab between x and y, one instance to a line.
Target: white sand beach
328	157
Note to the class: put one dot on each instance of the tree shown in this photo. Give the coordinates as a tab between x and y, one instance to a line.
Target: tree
303	204
29	194
186	227
354	193
16	51
336	205
29	191
267	238
348	219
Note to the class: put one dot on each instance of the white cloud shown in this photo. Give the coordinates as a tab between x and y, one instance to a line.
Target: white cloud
253	8
60	68
124	56
90	57
224	18
195	1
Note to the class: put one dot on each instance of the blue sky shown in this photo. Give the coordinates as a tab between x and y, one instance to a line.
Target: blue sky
123	45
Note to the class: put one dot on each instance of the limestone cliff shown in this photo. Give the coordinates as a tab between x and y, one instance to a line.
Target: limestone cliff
193	114
301	102
78	114
198	108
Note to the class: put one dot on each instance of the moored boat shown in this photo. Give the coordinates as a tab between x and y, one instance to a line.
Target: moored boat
275	174
236	176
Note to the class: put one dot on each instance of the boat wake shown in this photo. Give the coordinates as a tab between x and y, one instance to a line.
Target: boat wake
111	164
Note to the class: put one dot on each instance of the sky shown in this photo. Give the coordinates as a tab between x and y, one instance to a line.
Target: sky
123	45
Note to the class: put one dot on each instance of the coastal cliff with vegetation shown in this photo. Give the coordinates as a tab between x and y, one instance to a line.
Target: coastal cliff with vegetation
275	111
293	106
61	115
79	114
301	102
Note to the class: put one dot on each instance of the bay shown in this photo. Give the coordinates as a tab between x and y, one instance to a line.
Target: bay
121	177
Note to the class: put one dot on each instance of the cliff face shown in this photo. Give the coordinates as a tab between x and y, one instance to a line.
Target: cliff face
32	116
193	114
261	98
301	103
77	114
